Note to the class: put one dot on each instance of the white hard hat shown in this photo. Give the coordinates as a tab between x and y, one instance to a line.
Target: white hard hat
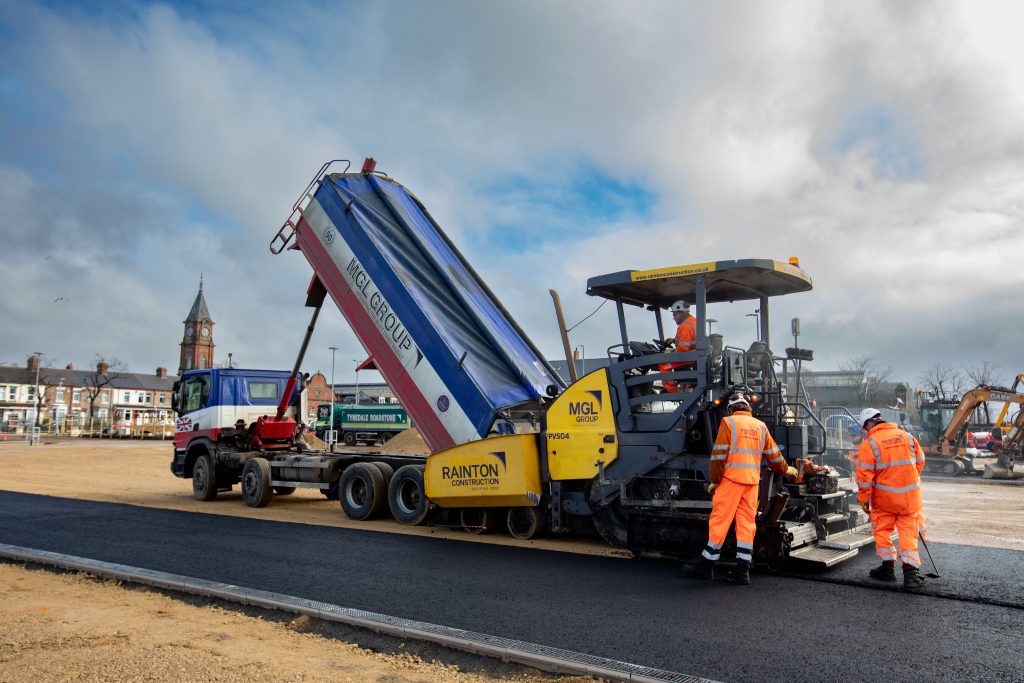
867	414
681	305
738	400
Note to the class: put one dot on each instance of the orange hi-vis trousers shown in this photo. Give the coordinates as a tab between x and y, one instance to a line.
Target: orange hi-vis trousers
732	501
907	527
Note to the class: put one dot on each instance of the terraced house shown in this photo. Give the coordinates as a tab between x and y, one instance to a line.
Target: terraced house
71	401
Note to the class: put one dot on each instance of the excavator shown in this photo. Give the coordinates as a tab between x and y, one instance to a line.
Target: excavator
947	456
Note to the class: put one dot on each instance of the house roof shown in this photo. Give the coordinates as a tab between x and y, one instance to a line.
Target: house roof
10	374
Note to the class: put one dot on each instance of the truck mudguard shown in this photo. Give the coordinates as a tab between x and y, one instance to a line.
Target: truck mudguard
445	345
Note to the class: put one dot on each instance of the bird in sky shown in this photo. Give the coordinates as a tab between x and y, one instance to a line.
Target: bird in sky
59	298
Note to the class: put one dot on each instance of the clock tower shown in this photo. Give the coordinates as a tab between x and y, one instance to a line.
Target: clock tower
197	344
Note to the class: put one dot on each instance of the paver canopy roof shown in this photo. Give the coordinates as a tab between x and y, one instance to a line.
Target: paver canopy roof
724	281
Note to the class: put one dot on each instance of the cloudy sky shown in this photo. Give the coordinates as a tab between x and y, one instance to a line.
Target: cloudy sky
144	144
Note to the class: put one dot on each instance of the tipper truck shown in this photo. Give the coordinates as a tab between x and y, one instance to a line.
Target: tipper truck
511	443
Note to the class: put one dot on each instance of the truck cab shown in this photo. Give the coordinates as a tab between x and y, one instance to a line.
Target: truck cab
215	400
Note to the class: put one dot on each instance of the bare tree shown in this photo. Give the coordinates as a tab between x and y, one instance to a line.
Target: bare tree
983	374
876	385
47	377
103	373
944	381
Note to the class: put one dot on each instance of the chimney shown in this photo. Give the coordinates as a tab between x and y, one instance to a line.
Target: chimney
69	366
101	368
161	372
33	363
576	354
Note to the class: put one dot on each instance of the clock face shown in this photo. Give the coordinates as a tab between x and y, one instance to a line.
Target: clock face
205	332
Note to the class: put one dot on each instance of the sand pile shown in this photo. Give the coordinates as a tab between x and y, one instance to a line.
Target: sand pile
408	442
313	442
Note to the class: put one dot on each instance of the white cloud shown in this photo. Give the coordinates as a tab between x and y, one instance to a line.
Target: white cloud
880	143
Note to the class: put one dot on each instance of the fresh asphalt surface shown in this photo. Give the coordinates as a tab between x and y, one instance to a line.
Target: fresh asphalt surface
829	625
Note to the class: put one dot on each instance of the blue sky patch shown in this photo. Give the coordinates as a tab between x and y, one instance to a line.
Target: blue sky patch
889	139
556	207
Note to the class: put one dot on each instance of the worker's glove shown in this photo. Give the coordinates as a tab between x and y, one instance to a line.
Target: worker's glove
866	507
711	488
792	472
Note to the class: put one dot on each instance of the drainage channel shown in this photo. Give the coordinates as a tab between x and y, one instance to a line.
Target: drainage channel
540	657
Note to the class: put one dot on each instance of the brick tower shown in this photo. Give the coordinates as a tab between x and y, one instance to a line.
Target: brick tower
197	344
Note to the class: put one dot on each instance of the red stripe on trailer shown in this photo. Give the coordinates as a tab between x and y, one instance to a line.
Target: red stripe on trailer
416	404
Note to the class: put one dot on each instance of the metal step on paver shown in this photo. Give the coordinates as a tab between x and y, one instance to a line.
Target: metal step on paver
848	540
826	556
833	517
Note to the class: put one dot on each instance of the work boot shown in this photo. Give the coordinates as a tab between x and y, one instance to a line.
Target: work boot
885	572
704	570
739	574
911	578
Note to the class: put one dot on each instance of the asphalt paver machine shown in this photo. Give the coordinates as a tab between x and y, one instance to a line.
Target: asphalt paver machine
652	497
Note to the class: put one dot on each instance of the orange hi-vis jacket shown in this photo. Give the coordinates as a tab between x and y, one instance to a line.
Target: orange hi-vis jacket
686	335
686	340
741	443
889	465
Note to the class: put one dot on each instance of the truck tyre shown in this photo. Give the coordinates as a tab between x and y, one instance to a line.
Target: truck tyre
525	523
362	492
384	438
387	471
256	489
284	490
478	521
407	497
204	478
349	438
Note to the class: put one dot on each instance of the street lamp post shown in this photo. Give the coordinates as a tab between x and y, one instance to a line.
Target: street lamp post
357	362
35	422
710	321
57	417
756	315
330	420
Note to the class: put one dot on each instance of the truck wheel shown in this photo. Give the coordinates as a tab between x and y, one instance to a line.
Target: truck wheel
384	438
349	438
284	490
362	492
406	496
478	521
256	489
525	523
387	470
204	478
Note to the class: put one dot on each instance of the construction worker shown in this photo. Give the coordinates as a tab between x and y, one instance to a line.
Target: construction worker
889	465
742	442
685	340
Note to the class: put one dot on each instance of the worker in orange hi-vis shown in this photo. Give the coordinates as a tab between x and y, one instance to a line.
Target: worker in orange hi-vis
685	340
736	458
889	466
